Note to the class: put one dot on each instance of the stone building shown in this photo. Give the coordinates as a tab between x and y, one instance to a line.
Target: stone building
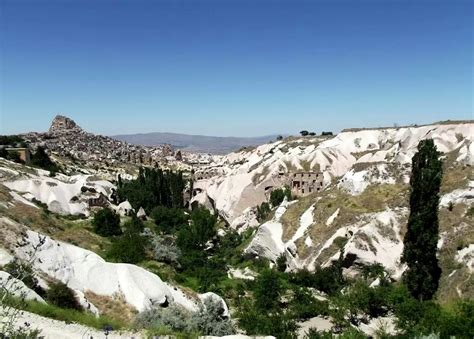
300	183
304	183
23	152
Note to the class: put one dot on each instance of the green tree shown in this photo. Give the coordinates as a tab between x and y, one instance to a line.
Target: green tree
304	133
263	211
153	187
169	220
41	159
106	223
281	263
198	232
278	195
420	243
129	248
268	291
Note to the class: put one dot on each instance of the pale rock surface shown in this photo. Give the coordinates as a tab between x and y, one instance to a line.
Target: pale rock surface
318	323
332	217
268	242
356	182
124	208
17	287
57	192
247	173
54	329
247	220
466	256
387	324
84	270
5	257
245	274
141	213
376	239
461	195
306	220
86	304
216	298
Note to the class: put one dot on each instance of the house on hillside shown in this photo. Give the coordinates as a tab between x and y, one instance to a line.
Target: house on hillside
304	183
300	183
23	152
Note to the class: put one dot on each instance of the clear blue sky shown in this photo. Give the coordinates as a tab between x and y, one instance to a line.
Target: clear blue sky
242	68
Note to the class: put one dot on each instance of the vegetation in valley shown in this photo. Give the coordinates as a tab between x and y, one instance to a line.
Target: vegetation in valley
153	187
194	249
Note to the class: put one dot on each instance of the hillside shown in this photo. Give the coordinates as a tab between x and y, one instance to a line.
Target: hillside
195	143
347	215
363	198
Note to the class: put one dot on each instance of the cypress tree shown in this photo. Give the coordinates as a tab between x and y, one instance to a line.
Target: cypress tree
420	242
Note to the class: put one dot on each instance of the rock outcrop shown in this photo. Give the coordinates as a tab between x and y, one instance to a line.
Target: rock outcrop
62	124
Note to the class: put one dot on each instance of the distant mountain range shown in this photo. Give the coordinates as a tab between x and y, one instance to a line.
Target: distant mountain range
194	143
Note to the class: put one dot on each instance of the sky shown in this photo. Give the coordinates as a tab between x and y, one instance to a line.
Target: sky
234	68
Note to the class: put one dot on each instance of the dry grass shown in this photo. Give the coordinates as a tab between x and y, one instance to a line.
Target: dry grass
455	177
375	198
460	233
291	218
115	307
76	232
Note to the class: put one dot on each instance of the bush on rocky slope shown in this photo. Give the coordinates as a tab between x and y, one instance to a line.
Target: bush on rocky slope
106	223
207	321
62	296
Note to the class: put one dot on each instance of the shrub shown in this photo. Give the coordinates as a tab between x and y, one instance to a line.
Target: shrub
134	225
174	317
198	232
281	263
326	279
277	196
129	248
268	290
169	220
41	159
62	296
24	272
165	250
257	322
12	156
210	319
470	212
206	272
304	305
106	223
263	211
304	133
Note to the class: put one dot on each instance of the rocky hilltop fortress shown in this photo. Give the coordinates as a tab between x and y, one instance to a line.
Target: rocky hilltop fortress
63	124
66	138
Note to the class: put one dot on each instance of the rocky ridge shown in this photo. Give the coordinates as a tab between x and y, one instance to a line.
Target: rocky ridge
67	139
